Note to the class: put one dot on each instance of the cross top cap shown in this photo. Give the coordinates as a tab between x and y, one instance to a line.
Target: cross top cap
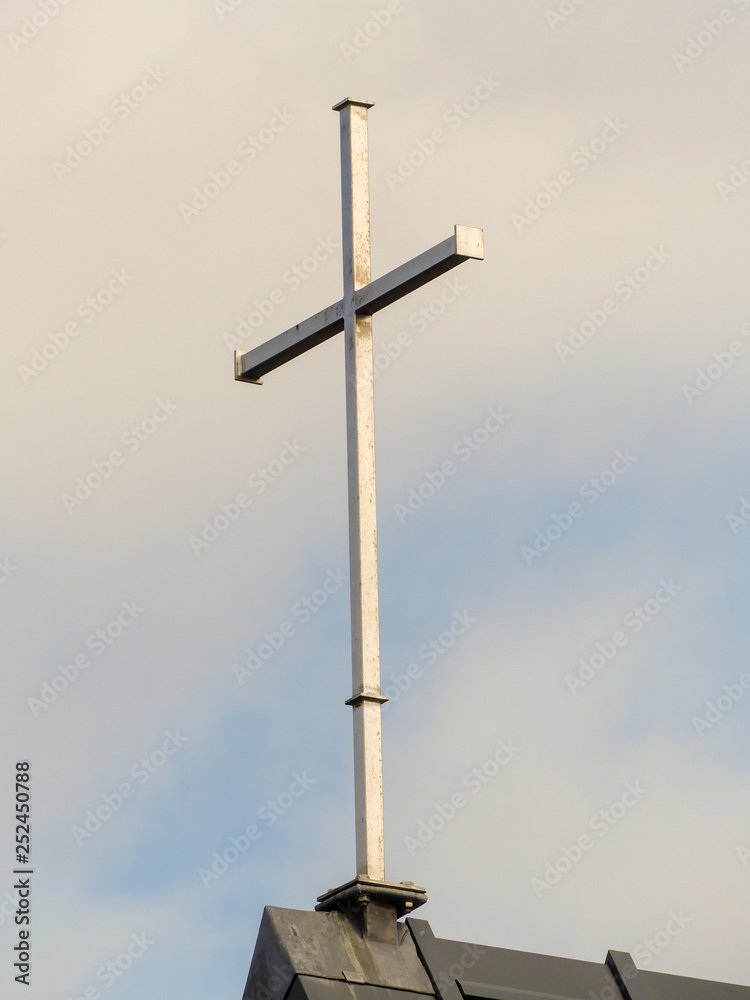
352	100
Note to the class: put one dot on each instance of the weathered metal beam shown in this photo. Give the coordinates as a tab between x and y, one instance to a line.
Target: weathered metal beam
353	314
253	365
363	531
466	243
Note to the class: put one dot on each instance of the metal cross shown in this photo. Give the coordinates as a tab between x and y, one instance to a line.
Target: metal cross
353	315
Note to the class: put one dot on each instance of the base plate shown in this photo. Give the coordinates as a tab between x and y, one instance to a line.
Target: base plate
405	896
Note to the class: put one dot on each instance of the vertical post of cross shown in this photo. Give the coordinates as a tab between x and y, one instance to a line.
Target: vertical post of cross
363	546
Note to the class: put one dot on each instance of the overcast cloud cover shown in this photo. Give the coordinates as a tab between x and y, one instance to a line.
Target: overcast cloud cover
653	392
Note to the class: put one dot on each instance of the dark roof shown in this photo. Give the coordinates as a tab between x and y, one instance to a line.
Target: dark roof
304	955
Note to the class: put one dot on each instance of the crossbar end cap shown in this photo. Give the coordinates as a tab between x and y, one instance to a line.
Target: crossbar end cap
238	374
470	242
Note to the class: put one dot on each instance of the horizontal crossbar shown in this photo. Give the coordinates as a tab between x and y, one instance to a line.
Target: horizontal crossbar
252	366
466	243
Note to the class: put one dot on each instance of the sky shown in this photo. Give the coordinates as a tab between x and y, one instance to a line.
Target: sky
563	496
